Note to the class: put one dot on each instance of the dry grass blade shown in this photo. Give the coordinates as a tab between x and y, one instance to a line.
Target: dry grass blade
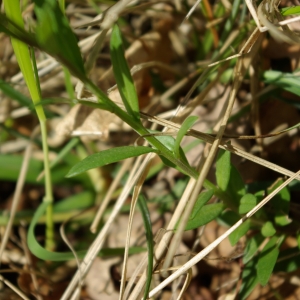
23	236
136	192
223	145
14	288
112	188
208	249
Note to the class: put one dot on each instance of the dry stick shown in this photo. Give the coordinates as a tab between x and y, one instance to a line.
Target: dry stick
224	145
214	244
112	14
18	190
258	17
253	71
189	276
14	288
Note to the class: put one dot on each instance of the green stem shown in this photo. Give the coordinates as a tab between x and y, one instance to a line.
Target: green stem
109	105
13	11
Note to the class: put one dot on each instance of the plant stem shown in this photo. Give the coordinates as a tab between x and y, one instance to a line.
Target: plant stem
109	105
13	11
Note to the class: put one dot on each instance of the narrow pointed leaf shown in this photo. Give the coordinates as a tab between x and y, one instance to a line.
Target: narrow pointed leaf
186	125
53	33
107	157
122	74
150	244
44	254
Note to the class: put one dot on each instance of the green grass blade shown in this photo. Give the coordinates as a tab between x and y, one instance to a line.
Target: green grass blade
122	74
44	254
53	33
287	11
9	91
107	157
148	229
35	247
12	9
286	81
15	30
186	125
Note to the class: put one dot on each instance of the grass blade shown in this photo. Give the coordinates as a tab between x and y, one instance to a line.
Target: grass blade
186	125
107	157
122	74
148	228
53	32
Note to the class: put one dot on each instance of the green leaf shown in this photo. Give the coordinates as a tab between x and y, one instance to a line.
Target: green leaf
286	81
236	187
287	11
203	198
169	142
53	33
252	246
78	201
267	260
249	279
122	74
247	202
44	254
223	168
186	125
281	201
268	229
288	260
281	219
11	165
16	31
228	218
35	247
107	157
150	244
14	94
235	236
206	214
